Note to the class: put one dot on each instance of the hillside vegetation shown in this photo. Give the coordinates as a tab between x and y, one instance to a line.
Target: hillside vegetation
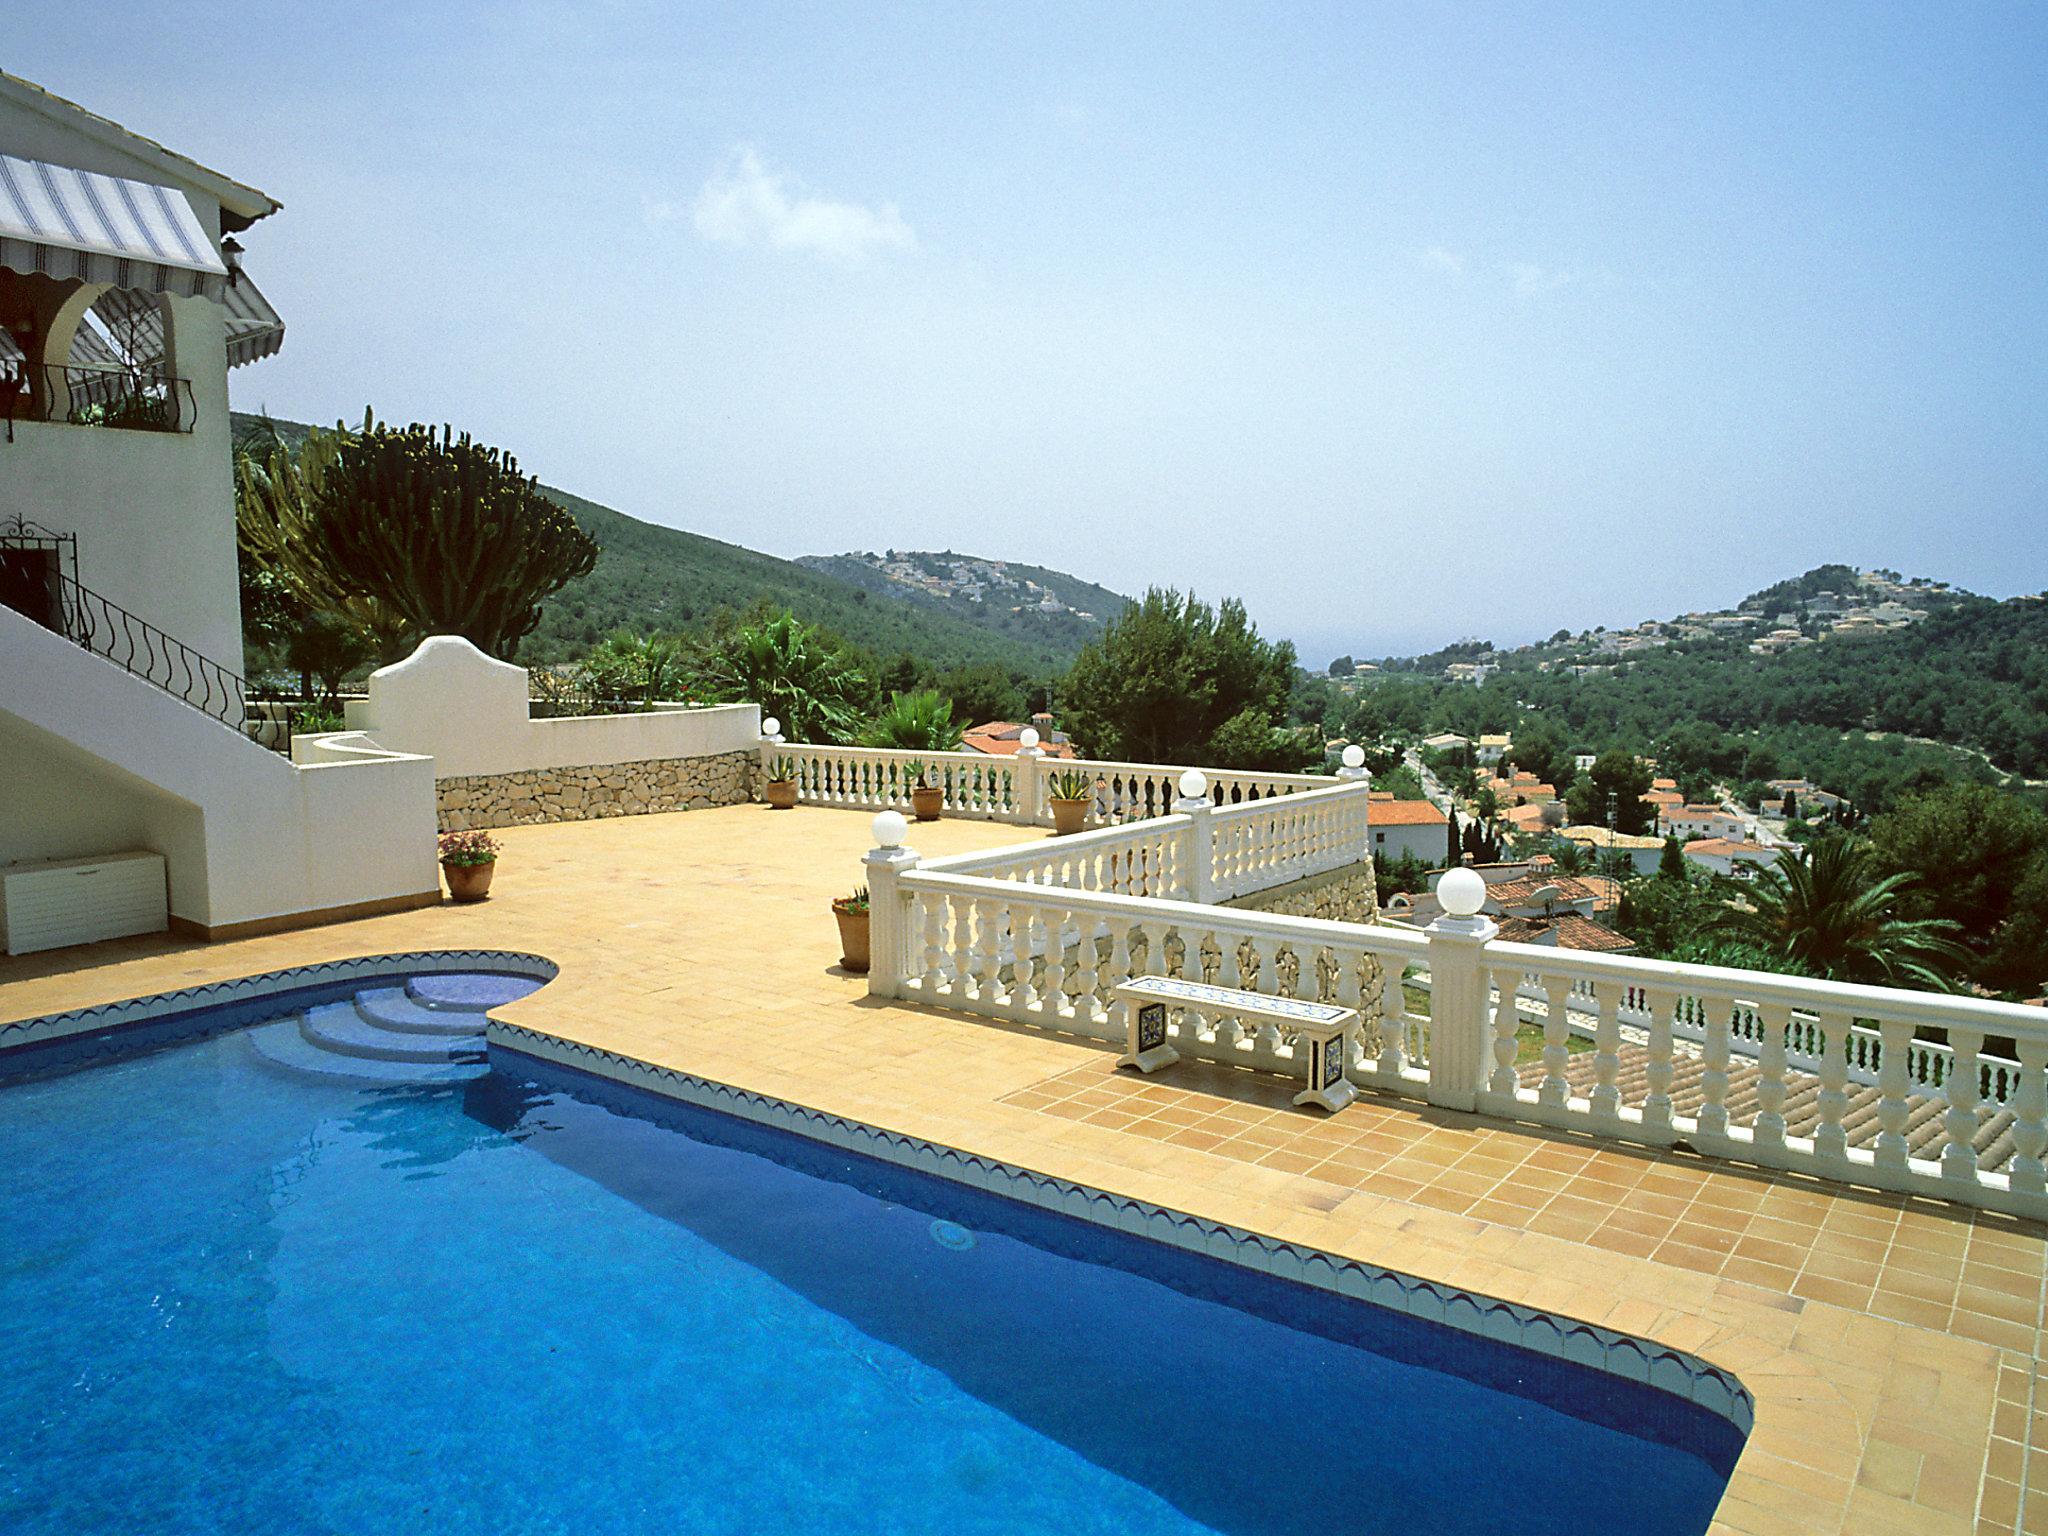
1959	696
651	579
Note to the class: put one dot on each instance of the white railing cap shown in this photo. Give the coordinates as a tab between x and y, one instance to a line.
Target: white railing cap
1804	992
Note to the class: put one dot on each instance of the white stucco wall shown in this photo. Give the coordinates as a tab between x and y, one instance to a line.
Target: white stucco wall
468	712
247	835
154	511
1427	843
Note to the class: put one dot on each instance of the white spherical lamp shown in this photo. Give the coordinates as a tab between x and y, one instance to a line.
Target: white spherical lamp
889	828
1354	756
1027	738
1462	892
1194	785
771	726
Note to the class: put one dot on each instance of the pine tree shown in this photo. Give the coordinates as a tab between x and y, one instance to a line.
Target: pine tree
1671	866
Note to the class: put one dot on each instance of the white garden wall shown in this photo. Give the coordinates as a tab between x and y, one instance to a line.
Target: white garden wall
249	838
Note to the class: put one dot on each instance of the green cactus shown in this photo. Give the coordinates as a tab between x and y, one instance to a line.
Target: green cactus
444	532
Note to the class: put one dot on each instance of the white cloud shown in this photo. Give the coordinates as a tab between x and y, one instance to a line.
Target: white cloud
1532	279
744	203
1439	258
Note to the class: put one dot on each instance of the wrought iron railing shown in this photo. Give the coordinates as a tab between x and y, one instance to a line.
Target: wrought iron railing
141	399
139	648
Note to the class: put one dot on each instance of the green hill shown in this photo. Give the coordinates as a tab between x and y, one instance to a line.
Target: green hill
1961	694
654	578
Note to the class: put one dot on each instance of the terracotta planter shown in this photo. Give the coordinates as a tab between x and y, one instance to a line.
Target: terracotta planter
853	937
469	882
1069	816
780	794
926	801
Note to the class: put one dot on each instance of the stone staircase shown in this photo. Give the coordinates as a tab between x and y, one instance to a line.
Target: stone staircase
427	1032
1924	1133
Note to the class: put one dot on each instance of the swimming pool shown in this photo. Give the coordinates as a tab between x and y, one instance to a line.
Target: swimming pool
244	1295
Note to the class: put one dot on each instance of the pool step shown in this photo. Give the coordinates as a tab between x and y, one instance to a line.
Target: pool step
393	1008
284	1046
469	990
340	1028
428	1031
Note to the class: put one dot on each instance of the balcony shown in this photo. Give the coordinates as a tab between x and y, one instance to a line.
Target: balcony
135	399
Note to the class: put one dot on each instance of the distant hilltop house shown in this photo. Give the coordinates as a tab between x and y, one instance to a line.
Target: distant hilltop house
1446	741
1470	671
1778	640
1004	738
1731	856
1493	748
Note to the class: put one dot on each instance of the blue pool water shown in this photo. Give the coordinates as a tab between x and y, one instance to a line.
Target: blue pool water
236	1297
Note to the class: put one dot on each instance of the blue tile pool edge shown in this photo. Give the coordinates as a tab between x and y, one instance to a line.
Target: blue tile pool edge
80	1037
58	1042
1668	1370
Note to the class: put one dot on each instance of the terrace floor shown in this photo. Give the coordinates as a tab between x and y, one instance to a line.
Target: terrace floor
1893	1345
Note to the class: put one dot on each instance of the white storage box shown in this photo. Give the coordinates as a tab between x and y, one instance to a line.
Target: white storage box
75	901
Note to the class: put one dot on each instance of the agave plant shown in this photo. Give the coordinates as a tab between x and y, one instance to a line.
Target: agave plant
1835	914
793	670
920	721
1069	784
781	769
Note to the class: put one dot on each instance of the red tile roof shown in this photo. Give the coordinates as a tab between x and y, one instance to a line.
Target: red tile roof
998	738
1402	813
1571	930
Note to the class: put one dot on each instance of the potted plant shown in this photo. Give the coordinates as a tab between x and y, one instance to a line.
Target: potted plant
927	796
467	859
852	913
1071	792
779	787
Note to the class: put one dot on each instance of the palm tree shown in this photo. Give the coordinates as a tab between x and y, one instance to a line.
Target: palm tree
1833	913
921	721
793	670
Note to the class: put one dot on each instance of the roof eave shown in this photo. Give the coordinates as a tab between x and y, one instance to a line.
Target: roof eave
240	204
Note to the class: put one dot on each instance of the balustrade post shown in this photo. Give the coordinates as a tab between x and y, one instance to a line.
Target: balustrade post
887	939
1195	804
1030	779
1359	816
1460	1037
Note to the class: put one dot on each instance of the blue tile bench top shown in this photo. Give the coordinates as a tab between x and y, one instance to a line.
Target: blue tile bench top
1229	999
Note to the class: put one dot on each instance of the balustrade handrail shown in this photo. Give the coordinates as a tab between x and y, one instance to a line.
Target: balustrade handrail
139	648
1004	862
1310	932
1853	999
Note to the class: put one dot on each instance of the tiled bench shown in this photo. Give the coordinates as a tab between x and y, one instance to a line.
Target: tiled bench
1319	1029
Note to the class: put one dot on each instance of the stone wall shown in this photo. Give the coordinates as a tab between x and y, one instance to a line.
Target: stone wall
1347	895
581	794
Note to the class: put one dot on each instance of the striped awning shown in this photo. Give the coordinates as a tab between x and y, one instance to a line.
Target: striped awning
132	319
104	229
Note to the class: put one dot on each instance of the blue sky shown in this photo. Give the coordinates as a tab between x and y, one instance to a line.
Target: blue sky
1403	324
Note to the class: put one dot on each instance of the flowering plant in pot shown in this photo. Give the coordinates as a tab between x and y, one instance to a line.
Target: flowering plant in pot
1070	792
778	786
467	859
852	913
927	795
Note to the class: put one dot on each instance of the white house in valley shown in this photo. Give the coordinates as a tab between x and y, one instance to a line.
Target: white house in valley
1409	827
124	725
1691	821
